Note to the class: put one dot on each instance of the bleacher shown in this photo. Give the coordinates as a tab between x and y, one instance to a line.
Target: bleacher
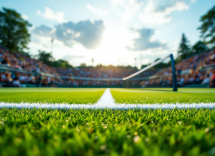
189	70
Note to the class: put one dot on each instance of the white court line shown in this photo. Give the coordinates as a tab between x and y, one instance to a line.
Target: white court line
107	102
167	91
196	91
106	99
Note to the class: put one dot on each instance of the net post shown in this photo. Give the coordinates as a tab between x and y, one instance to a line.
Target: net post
174	77
125	83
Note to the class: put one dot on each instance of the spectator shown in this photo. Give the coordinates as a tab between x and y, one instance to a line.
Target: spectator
16	82
5	61
206	79
180	81
212	79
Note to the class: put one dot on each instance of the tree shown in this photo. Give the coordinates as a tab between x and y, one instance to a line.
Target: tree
100	66
45	57
144	65
208	27
83	65
48	59
61	63
184	48
13	31
159	65
199	47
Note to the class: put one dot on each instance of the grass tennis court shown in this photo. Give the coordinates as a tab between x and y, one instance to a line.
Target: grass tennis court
107	132
50	95
91	96
163	95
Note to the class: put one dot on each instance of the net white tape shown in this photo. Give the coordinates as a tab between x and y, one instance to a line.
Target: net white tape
146	68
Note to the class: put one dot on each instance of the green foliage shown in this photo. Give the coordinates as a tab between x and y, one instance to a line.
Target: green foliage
184	48
48	59
83	65
162	96
107	132
199	47
61	63
45	57
161	65
145	65
208	27
13	31
70	96
100	65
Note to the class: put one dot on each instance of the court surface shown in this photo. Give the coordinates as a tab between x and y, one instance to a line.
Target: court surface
164	95
116	98
109	124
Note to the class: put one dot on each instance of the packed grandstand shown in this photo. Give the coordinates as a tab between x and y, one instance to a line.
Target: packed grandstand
18	70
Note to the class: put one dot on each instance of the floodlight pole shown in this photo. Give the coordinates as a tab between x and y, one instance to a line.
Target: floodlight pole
125	83
92	61
141	61
174	77
135	61
52	40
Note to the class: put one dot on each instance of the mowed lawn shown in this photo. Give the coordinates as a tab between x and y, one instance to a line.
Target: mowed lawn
45	132
50	95
163	96
107	132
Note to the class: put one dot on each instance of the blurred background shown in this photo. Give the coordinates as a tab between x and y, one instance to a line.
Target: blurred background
67	43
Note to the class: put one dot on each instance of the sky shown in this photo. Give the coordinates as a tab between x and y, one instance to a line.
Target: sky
116	32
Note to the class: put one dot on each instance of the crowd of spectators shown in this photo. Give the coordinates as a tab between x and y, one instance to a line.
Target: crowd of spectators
195	77
196	67
16	79
64	76
99	72
91	82
102	72
197	62
25	63
22	62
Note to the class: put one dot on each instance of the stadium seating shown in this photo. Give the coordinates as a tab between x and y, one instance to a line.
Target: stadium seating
194	70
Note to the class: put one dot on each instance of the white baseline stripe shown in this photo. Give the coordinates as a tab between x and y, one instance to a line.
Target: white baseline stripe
118	106
165	91
107	102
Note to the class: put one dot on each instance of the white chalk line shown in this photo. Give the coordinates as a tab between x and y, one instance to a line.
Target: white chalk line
107	102
167	91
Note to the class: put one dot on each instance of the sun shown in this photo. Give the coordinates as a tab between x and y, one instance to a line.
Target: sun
113	47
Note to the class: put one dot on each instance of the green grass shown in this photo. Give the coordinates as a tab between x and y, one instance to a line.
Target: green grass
107	132
50	95
163	95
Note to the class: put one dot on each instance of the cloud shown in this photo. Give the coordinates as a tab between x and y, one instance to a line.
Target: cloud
159	12
127	8
43	30
86	33
24	16
51	15
150	11
97	11
144	41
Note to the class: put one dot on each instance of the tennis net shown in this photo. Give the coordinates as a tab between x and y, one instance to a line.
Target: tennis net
161	73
